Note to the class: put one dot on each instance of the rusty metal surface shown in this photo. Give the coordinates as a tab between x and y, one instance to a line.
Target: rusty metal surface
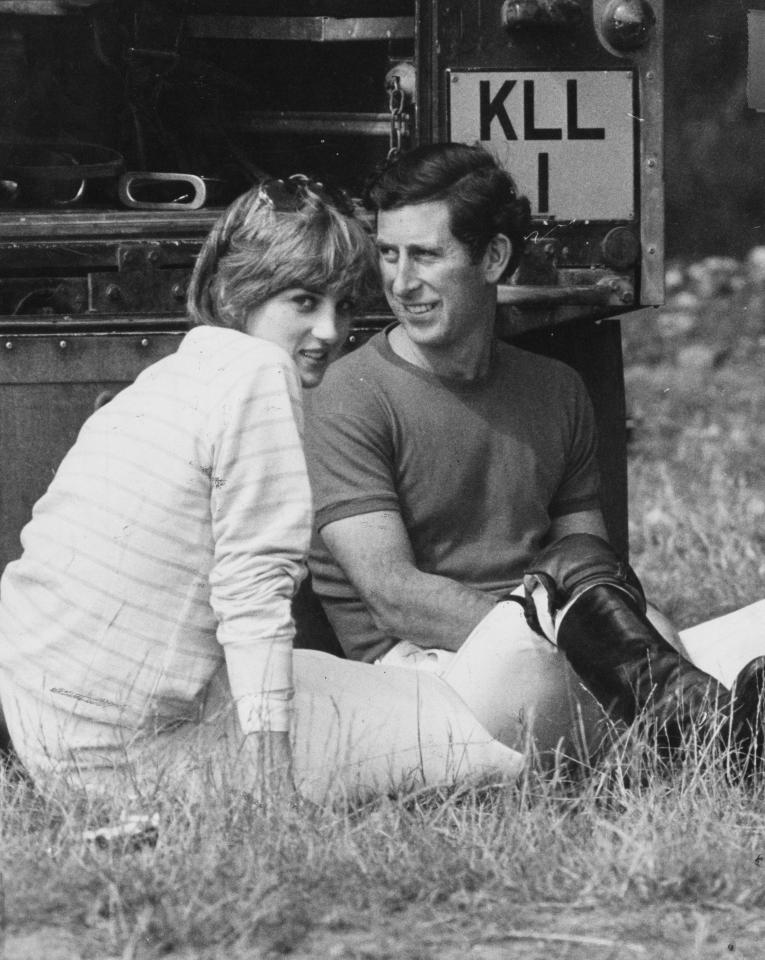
92	223
49	384
45	8
320	122
94	280
309	29
470	37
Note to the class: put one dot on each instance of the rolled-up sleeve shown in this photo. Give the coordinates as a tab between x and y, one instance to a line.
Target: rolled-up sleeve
260	506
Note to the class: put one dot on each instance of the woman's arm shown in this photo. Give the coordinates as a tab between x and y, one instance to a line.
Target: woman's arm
260	514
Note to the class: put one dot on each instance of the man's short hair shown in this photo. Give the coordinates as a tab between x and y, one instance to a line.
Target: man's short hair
482	196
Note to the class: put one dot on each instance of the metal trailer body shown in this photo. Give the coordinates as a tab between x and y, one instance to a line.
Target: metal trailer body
97	100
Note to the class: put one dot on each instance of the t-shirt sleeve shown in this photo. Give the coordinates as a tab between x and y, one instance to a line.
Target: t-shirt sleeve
261	518
350	455
580	487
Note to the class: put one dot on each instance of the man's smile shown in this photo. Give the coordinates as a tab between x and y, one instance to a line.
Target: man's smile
417	309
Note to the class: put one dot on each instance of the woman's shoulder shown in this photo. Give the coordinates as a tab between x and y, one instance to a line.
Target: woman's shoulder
220	353
223	343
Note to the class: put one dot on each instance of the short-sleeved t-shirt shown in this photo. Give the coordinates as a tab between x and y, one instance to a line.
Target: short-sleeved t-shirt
477	470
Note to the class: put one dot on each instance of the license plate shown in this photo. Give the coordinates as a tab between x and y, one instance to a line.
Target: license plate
567	137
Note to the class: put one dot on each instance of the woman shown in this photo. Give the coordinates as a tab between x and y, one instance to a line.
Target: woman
173	536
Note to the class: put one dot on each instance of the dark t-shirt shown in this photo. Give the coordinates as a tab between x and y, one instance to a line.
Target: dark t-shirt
477	471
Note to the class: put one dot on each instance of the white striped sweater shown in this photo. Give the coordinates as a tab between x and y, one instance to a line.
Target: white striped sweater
174	533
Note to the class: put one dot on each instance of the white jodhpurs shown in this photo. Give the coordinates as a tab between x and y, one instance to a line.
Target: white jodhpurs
519	685
358	730
516	683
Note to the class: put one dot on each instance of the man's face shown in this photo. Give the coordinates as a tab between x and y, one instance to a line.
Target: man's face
441	297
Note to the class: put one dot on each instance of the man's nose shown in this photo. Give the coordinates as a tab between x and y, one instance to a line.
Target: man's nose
404	278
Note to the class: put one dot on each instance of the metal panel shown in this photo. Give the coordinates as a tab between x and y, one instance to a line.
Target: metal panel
46	8
312	29
92	224
49	385
457	41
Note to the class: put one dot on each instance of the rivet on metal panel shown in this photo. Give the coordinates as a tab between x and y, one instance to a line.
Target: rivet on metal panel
650	163
113	292
154	256
63	344
144	342
178	290
352	338
652	250
9	344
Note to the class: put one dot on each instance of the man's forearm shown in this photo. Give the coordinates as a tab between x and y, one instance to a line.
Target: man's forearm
374	551
428	610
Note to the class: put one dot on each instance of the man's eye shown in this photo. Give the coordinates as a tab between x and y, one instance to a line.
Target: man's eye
387	254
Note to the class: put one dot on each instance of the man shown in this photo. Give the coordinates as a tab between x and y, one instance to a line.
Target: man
447	465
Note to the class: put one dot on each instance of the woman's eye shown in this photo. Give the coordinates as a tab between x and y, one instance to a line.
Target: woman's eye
305	302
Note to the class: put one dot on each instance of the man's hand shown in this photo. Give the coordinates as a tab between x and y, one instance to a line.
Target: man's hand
267	757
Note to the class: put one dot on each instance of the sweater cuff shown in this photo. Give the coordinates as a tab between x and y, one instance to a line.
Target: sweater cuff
271	713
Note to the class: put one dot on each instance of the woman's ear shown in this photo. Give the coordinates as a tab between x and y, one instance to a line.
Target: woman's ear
496	257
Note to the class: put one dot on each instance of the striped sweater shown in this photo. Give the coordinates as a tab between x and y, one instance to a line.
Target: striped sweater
173	534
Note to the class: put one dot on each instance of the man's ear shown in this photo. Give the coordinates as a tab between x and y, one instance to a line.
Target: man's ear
496	257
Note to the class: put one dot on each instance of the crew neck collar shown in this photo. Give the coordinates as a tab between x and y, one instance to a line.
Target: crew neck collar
454	383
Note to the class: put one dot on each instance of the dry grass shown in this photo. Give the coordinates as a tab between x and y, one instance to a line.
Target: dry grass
627	859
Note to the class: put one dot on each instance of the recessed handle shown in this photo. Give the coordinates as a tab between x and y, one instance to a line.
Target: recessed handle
149	191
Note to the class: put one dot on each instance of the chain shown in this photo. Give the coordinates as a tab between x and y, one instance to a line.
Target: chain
398	118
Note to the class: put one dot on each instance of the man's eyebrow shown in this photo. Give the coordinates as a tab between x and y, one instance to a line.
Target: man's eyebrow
413	249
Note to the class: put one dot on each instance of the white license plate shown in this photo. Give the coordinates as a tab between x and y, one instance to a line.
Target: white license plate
567	137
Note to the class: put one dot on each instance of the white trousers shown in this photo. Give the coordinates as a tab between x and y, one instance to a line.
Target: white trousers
521	688
358	730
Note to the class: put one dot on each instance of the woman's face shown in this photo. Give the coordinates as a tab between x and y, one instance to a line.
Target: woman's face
310	325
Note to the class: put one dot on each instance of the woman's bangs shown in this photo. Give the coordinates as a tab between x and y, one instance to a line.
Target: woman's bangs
324	252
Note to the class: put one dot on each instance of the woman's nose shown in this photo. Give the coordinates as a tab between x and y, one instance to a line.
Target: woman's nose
328	324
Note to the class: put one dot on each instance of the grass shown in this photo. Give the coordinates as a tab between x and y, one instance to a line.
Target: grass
697	493
628	859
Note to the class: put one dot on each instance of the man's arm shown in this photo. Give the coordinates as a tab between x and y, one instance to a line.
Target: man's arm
376	555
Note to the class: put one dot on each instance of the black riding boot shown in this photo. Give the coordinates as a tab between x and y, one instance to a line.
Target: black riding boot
621	657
